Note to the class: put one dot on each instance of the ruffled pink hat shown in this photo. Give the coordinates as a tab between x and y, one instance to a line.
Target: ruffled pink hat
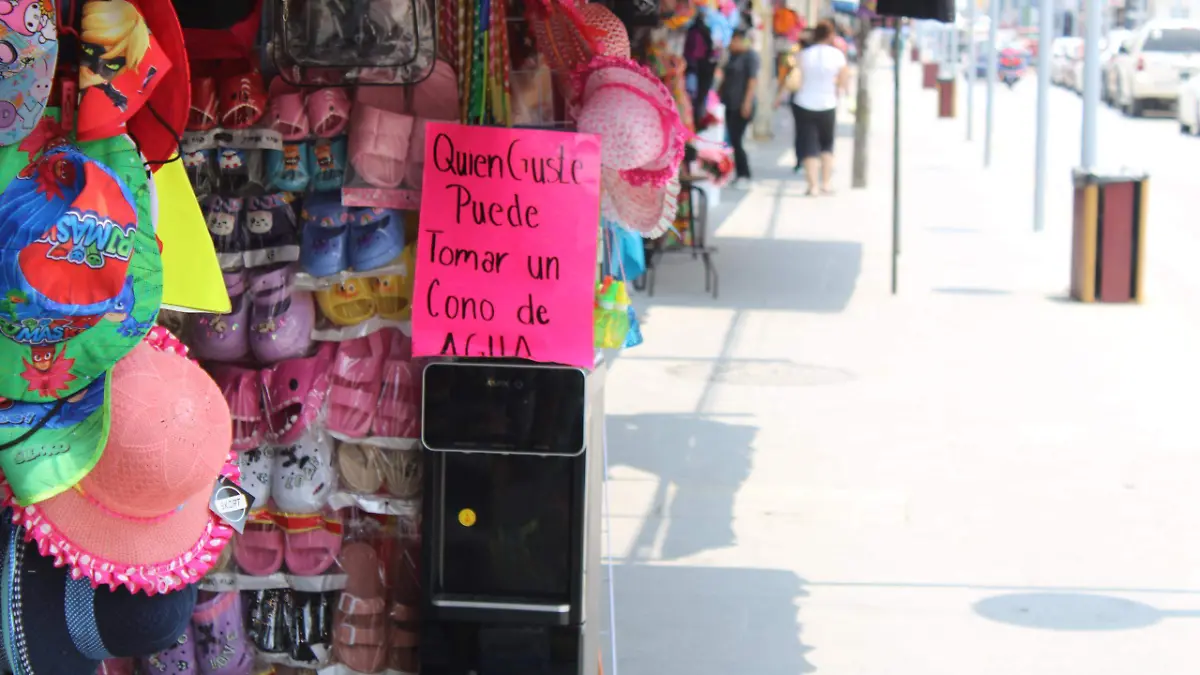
642	144
141	518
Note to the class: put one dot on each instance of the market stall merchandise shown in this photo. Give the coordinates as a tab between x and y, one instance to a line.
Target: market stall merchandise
328	197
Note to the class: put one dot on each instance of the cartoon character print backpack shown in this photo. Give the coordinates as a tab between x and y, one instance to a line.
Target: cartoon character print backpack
28	55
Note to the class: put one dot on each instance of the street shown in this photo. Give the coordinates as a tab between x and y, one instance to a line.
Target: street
975	477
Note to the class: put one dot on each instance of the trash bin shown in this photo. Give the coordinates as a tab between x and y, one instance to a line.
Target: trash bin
1109	236
946	97
929	75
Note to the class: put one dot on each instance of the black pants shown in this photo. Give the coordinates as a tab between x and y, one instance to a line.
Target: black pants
736	125
814	131
705	74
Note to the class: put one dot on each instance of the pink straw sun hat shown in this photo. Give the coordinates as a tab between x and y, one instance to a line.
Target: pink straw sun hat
141	518
642	136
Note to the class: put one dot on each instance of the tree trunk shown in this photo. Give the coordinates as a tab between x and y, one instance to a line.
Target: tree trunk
862	111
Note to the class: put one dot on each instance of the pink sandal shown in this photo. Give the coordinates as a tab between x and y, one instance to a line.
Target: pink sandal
241	391
400	398
354	385
295	391
328	112
379	136
287	114
259	550
360	623
312	552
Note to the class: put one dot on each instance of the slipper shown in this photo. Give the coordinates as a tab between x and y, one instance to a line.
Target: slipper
403	473
239	386
241	171
434	99
221	216
221	645
393	303
119	666
312	552
328	163
201	168
399	400
360	621
354	385
302	476
258	551
404	635
348	303
255	467
225	337
287	114
289	169
379	136
242	101
270	227
313	627
179	659
360	468
376	238
328	112
294	394
202	115
324	236
269	619
281	320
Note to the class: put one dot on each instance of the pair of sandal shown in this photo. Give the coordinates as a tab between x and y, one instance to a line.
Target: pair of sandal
252	231
334	238
268	319
370	632
319	164
387	128
355	300
264	548
236	102
369	470
373	387
213	644
284	621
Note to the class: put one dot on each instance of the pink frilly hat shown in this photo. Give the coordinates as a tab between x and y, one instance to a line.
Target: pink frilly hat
141	517
642	144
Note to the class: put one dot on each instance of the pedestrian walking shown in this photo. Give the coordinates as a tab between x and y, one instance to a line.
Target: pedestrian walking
824	78
738	83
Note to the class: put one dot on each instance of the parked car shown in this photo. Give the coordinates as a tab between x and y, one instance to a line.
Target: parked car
1108	57
1152	62
1060	59
1187	110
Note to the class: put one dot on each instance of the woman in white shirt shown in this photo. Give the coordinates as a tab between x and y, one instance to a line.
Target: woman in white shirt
824	75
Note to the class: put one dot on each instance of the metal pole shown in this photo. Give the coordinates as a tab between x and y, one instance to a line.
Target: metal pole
973	58
993	24
953	60
1091	83
899	49
1045	28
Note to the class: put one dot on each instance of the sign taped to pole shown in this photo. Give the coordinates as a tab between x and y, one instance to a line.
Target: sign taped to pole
506	252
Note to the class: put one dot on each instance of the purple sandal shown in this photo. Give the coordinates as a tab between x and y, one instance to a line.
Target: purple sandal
225	337
376	237
281	320
179	659
221	645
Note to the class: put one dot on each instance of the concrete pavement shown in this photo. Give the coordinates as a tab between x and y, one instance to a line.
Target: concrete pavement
974	477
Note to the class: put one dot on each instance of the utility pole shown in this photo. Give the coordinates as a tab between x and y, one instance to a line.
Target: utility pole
992	74
1045	28
765	107
862	103
973	57
1091	83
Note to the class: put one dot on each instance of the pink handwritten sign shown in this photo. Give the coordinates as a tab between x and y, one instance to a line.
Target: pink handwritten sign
506	255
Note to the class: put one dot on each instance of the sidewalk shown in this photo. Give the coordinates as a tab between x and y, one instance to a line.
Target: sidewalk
973	477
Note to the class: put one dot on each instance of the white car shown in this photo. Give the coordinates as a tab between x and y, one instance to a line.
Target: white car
1152	62
1108	56
1187	110
1060	58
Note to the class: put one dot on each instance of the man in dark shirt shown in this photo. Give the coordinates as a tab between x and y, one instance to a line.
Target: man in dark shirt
738	85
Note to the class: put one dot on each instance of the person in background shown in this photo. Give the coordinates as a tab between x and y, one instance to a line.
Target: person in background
824	77
737	93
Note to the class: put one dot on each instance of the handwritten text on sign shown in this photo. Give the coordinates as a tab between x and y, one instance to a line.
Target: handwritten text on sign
506	254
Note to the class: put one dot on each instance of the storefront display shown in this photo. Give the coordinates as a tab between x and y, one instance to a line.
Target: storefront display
369	426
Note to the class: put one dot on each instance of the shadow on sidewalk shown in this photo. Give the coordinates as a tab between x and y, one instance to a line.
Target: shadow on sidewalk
701	461
708	620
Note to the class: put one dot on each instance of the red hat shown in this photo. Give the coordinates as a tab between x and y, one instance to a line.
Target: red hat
158	139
